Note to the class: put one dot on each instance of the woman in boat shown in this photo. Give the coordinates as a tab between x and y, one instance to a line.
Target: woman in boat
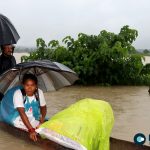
27	107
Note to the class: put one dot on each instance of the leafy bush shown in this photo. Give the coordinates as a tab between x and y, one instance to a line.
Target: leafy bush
106	58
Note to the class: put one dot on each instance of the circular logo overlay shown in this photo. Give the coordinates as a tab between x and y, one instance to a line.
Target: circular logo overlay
139	139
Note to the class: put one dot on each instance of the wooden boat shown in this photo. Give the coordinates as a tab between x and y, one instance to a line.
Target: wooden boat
115	144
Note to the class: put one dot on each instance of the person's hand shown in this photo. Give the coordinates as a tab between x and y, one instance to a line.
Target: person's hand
33	136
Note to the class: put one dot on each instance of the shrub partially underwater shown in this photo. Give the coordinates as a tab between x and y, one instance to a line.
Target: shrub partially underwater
105	59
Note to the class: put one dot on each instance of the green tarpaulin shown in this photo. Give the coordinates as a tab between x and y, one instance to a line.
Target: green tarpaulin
89	122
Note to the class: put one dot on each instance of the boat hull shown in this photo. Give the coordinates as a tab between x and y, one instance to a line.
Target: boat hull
115	144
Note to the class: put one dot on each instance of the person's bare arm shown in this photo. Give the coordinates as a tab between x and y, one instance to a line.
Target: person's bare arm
25	120
43	110
24	117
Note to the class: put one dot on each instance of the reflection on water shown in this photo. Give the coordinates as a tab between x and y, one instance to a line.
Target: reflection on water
131	105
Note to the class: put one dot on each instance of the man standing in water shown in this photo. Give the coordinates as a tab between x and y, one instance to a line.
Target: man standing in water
7	60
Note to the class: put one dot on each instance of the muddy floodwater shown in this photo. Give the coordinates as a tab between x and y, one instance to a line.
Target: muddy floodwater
131	106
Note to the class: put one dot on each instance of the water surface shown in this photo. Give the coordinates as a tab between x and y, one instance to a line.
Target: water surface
131	106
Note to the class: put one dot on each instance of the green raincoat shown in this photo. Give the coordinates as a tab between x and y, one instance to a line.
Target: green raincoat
88	122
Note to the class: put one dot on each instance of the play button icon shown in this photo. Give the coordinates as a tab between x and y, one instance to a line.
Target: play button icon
139	139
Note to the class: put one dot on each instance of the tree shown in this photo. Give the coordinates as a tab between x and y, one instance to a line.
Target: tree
146	51
106	58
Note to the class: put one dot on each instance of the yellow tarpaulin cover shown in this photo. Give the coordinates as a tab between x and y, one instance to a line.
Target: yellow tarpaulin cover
89	122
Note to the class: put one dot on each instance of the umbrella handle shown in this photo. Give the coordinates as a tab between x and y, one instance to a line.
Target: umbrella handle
37	85
20	74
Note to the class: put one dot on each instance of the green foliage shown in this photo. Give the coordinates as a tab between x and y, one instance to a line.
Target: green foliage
146	52
106	58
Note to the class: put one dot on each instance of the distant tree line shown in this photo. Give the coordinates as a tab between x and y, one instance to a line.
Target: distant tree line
146	52
104	59
21	49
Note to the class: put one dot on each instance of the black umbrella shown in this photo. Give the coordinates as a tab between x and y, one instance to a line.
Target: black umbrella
51	75
8	33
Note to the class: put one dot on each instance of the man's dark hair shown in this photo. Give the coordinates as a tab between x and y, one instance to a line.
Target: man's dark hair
29	76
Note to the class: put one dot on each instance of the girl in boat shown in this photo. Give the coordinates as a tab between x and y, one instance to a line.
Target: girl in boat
24	106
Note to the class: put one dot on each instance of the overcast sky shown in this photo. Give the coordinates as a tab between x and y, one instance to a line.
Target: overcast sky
55	19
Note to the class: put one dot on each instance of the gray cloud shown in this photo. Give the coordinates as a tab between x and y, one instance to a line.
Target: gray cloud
56	19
